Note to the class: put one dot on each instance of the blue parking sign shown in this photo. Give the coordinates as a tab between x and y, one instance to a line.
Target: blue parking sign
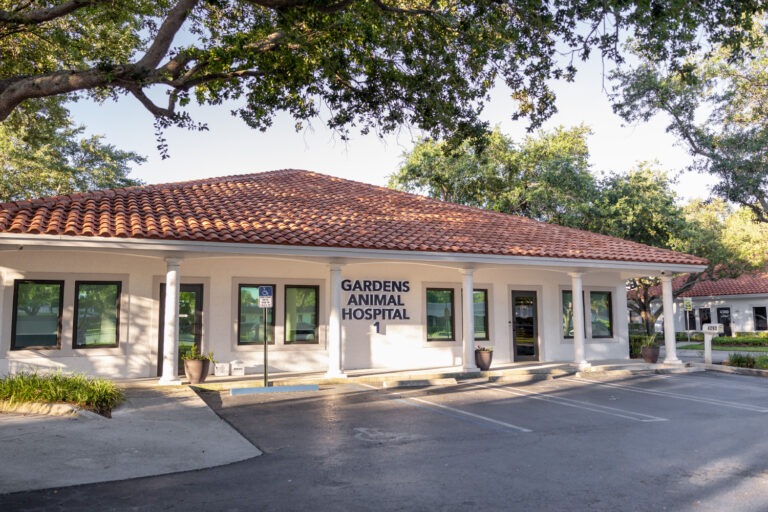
265	291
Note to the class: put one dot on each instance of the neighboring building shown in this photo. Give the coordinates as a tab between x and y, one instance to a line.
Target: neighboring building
114	282
739	304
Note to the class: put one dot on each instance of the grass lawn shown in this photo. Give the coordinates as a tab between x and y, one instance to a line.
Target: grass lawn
723	348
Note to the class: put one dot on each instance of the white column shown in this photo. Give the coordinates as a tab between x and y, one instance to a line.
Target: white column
468	321
577	291
171	322
669	321
334	325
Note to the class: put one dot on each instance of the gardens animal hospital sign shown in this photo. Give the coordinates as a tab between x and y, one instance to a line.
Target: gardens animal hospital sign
375	300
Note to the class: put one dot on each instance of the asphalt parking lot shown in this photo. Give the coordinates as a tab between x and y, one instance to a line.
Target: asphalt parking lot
683	442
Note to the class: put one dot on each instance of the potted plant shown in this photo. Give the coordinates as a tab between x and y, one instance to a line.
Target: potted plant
483	357
197	364
649	349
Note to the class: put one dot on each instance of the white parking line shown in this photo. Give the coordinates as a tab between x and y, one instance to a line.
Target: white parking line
568	402
419	401
679	396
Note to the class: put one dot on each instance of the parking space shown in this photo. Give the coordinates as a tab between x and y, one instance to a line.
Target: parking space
688	442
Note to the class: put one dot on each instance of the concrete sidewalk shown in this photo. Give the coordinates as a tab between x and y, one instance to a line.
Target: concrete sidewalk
157	430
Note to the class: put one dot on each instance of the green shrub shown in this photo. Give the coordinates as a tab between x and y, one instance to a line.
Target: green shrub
635	343
695	336
98	395
756	341
752	334
761	362
741	360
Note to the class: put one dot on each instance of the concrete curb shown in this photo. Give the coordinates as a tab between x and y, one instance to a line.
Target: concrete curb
753	372
40	408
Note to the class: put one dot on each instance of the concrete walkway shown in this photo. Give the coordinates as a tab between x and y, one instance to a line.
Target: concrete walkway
157	430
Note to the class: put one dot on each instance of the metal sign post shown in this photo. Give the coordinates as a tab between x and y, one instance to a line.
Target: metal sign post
265	302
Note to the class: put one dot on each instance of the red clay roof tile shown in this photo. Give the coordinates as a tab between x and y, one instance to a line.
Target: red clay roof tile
745	284
302	208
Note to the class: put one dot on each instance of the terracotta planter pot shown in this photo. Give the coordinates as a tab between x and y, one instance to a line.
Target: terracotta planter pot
650	354
196	370
483	359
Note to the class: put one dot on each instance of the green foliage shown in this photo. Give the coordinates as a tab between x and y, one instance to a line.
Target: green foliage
194	354
747	361
717	103
741	360
694	336
635	344
98	395
371	64
544	177
42	153
752	334
728	341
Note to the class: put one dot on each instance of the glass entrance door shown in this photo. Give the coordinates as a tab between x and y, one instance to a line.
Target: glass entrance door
724	317
525	326
190	322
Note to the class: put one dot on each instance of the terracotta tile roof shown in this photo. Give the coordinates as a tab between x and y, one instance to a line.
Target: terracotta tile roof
745	284
301	208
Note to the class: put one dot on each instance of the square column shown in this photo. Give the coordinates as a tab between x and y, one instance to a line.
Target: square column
171	323
670	344
334	326
468	321
579	351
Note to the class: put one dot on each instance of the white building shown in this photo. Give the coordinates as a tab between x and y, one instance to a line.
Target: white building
739	304
112	283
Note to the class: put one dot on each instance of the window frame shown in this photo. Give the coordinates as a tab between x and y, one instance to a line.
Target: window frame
765	318
118	300
708	315
272	324
316	340
453	313
14	317
587	301
610	314
484	291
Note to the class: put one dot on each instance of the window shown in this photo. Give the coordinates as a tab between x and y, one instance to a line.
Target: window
761	320
97	314
690	323
480	299
601	314
301	314
600	311
36	314
705	316
251	328
440	314
567	314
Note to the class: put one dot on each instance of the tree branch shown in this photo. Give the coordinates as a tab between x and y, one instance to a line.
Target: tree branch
42	15
171	25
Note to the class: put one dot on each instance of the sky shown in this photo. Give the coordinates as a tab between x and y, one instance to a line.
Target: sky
231	147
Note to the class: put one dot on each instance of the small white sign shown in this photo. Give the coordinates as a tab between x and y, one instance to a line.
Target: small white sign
265	302
688	304
713	328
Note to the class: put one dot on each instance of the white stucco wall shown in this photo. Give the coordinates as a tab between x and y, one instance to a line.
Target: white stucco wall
400	343
742	317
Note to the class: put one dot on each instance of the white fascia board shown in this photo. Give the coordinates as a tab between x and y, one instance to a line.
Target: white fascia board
191	249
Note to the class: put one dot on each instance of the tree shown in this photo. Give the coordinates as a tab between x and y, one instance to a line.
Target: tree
42	153
717	106
545	177
374	64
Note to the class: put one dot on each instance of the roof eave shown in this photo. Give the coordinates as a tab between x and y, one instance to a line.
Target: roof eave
167	248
